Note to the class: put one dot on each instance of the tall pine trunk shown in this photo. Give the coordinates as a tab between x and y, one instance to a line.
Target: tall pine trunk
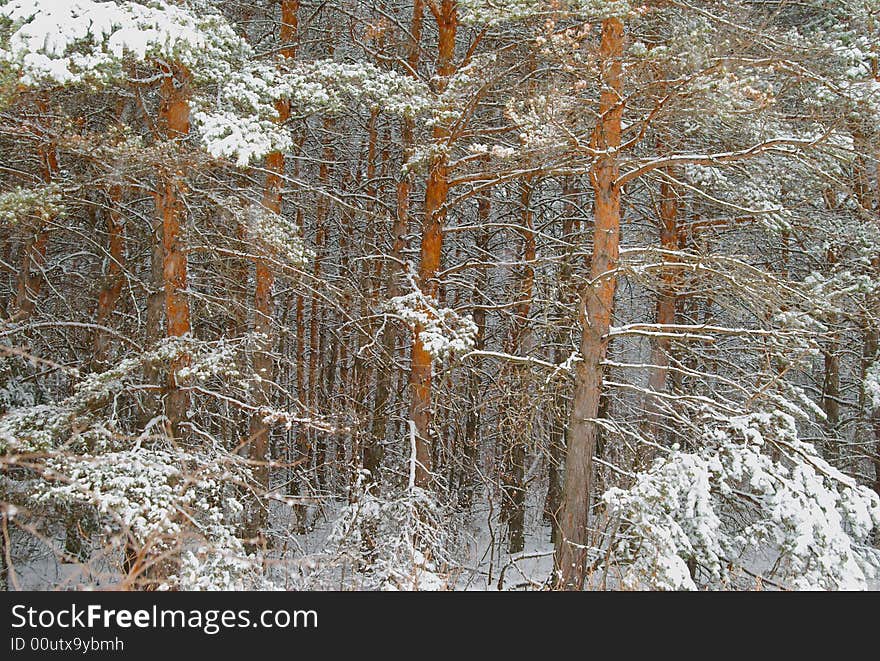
174	120
567	300
667	304
317	336
33	261
596	310
513	509
112	289
264	304
431	250
373	450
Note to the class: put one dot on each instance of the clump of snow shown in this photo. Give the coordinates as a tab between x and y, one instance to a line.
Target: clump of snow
241	138
43	203
68	42
444	333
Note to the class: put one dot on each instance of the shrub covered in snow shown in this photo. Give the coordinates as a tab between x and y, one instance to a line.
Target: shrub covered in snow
149	495
752	485
398	541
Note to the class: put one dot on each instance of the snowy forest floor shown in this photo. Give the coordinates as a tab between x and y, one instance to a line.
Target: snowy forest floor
299	561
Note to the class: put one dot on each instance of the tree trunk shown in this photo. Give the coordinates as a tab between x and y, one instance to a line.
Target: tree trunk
597	305
109	295
373	452
363	443
174	119
831	397
154	316
513	509
431	250
33	261
473	421
667	303
316	335
264	304
567	300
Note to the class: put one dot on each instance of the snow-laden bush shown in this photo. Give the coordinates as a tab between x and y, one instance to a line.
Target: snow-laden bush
219	561
219	567
752	488
141	488
399	541
444	332
177	508
164	502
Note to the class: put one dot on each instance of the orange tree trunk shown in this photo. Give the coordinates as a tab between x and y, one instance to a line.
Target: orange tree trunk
373	451
597	305
109	295
667	301
431	249
264	279
174	119
33	261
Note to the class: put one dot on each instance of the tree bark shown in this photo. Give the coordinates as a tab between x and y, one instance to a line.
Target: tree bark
33	261
567	300
597	305
431	250
112	289
154	317
373	452
513	509
474	419
316	337
264	304
667	304
174	120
